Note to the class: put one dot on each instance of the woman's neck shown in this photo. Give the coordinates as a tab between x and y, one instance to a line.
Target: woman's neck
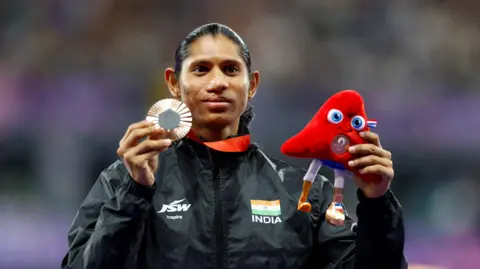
210	134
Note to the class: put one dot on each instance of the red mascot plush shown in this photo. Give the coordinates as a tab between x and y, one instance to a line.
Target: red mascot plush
326	139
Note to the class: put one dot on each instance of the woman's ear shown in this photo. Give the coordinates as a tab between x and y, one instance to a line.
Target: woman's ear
172	82
254	81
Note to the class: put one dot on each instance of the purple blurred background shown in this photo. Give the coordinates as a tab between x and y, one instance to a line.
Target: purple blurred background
74	74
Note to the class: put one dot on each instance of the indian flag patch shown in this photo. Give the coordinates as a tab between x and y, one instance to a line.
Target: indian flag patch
266	211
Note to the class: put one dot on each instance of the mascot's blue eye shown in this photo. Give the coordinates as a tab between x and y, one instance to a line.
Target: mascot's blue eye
334	116
358	123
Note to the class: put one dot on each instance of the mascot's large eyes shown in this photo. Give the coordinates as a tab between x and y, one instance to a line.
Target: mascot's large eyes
334	116
358	123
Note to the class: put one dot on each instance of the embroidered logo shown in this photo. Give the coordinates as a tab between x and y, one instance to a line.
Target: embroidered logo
267	212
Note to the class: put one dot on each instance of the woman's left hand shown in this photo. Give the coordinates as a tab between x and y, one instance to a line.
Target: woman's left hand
373	160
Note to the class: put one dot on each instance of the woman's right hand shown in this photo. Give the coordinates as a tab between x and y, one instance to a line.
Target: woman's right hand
141	157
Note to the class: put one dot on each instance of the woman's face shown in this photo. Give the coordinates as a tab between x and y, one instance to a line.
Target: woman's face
214	82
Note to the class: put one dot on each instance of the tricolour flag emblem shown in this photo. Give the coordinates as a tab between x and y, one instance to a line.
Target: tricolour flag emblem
372	123
266	208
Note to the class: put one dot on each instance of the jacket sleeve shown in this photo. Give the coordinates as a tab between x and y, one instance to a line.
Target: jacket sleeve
107	229
375	241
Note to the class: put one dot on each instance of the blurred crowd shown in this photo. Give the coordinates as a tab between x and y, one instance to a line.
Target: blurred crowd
74	74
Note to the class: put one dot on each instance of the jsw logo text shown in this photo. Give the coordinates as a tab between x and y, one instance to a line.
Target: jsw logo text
175	206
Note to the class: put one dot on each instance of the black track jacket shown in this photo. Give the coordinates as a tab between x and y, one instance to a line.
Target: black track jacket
199	215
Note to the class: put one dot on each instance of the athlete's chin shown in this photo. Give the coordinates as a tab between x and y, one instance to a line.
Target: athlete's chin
219	119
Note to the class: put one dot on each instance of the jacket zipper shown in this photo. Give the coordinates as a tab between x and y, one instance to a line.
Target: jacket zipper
218	212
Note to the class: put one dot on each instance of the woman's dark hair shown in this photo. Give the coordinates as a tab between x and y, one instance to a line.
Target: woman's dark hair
215	29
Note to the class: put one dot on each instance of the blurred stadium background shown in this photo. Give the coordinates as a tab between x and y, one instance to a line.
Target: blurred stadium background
74	74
